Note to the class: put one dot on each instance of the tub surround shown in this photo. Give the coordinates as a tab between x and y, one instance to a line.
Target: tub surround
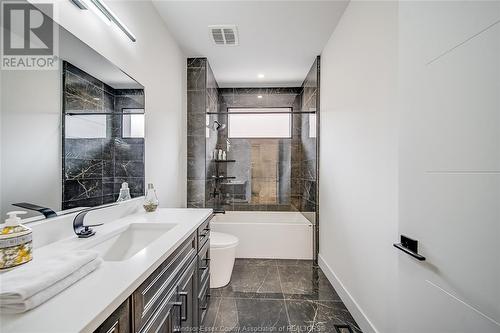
253	156
202	97
305	157
103	291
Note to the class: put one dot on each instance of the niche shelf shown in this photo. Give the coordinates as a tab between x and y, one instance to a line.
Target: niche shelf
224	161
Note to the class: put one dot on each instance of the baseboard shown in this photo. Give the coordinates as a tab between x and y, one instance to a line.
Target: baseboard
351	304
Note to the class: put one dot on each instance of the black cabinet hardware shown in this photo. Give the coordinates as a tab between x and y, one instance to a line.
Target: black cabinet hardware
184	314
409	246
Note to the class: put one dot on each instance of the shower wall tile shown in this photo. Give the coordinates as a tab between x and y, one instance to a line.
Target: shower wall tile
196	69
247	97
264	190
195	189
197	101
291	188
195	146
196	124
196	168
304	189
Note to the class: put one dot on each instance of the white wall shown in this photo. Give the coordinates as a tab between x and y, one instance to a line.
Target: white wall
156	62
358	160
410	132
30	139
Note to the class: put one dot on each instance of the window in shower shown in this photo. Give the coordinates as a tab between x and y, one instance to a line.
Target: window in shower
255	123
133	123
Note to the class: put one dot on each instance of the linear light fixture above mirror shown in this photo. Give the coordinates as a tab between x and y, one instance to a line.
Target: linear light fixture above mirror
108	14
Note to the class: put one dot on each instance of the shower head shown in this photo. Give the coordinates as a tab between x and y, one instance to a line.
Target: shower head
216	126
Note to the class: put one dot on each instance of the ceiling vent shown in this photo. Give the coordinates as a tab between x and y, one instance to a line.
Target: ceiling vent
224	34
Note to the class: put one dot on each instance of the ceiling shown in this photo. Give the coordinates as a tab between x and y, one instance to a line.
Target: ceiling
278	39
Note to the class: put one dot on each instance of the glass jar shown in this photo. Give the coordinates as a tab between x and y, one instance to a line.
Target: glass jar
151	201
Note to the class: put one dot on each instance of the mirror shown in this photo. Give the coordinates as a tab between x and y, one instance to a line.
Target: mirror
71	136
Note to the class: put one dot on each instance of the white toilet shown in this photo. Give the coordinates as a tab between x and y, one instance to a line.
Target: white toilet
222	255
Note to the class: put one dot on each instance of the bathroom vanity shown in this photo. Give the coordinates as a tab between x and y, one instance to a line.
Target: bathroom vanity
174	297
155	274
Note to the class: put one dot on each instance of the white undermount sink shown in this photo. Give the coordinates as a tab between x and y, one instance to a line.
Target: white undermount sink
126	243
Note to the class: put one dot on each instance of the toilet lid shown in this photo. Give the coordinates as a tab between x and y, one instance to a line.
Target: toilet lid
221	240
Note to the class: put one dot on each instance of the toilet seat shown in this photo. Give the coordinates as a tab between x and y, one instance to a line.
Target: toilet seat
219	240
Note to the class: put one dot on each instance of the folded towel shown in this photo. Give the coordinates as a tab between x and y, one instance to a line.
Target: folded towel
19	306
29	286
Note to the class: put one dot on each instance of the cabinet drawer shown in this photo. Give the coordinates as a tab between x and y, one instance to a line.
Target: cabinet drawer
166	319
204	232
204	261
203	299
118	322
148	297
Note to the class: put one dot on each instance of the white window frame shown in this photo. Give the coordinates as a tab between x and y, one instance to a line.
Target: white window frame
236	111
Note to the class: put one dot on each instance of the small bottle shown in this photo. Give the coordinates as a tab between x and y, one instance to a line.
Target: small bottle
220	155
151	201
224	155
16	242
124	193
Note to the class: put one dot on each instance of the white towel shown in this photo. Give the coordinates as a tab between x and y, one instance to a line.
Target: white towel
27	287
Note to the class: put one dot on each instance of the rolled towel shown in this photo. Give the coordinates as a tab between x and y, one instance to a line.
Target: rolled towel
29	286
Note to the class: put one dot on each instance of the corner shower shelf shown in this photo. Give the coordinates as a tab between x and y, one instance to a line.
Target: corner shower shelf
224	161
222	177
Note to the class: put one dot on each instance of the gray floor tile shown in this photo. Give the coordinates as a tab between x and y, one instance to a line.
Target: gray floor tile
227	318
255	262
253	281
299	282
251	315
318	316
295	262
209	320
267	295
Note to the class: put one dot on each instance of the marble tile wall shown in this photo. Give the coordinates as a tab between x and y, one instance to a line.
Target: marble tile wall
94	168
305	153
213	139
196	131
253	188
293	187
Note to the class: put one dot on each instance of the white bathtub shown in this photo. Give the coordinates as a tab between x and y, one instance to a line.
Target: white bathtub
279	235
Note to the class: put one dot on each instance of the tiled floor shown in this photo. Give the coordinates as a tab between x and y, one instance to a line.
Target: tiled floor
267	295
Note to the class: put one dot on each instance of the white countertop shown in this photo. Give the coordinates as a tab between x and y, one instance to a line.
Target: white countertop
86	304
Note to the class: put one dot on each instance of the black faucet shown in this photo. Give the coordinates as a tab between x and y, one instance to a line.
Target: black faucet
85	231
47	212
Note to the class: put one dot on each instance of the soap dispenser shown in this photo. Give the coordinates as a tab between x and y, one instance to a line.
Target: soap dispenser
15	242
124	193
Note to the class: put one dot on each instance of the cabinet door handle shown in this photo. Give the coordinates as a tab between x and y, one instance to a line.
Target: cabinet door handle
206	232
179	304
184	314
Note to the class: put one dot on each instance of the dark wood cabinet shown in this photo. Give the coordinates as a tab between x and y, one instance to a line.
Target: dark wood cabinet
174	297
187	286
119	321
203	280
146	298
166	318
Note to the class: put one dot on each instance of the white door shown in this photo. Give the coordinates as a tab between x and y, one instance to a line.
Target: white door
450	166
